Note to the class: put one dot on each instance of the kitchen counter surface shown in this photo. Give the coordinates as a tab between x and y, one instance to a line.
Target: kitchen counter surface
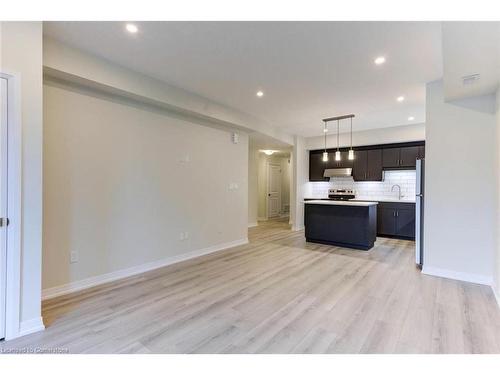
382	199
369	199
341	203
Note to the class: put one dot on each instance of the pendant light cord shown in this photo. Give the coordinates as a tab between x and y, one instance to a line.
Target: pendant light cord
351	133
338	125
324	131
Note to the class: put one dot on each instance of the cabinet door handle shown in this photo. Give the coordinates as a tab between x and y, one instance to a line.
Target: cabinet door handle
397	213
394	214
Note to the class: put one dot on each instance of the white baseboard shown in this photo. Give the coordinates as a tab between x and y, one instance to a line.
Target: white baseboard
297	227
251	225
262	218
76	286
462	276
31	326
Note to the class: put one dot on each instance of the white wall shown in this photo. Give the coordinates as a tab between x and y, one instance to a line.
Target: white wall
21	45
300	178
253	184
122	182
460	189
64	61
496	286
394	134
286	165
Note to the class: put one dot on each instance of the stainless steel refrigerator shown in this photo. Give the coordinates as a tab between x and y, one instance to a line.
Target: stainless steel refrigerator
419	219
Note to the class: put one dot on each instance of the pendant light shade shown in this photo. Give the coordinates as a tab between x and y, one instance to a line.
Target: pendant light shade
337	153
325	154
351	151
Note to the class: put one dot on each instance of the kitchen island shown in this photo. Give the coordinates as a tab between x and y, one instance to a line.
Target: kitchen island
349	224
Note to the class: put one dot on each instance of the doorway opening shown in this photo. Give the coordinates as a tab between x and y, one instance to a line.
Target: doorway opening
3	204
270	173
10	206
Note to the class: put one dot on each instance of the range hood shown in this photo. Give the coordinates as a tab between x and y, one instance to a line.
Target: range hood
338	172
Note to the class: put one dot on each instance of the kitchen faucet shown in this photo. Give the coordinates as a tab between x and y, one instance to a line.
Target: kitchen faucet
399	191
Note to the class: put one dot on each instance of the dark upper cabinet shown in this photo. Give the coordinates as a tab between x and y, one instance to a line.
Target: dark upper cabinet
360	165
402	157
421	152
367	165
369	161
390	157
408	156
344	162
374	165
316	167
396	219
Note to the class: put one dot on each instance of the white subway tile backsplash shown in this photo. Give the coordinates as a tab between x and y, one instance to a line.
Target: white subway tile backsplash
405	179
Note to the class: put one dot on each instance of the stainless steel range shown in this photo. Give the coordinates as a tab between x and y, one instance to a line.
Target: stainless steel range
341	194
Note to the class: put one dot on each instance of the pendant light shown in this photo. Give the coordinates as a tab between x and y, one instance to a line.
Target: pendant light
351	151
325	154
337	153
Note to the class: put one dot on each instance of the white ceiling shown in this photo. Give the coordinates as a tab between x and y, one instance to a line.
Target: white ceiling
307	70
471	48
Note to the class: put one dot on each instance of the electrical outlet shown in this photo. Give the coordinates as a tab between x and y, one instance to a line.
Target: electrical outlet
181	236
186	235
73	257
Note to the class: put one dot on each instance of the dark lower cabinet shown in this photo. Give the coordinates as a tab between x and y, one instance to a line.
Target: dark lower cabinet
405	221
386	220
396	219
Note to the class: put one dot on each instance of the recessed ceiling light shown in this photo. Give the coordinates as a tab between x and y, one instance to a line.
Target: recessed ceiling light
379	60
411	118
400	98
268	152
260	94
131	28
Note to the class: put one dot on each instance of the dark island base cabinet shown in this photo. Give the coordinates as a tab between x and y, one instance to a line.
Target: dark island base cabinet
345	226
396	220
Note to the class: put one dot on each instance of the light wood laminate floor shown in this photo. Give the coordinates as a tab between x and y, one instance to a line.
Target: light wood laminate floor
277	294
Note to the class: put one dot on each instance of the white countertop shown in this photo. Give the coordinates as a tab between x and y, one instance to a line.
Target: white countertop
384	199
375	199
341	203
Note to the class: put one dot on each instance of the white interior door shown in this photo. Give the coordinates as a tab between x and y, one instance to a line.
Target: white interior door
274	190
3	202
